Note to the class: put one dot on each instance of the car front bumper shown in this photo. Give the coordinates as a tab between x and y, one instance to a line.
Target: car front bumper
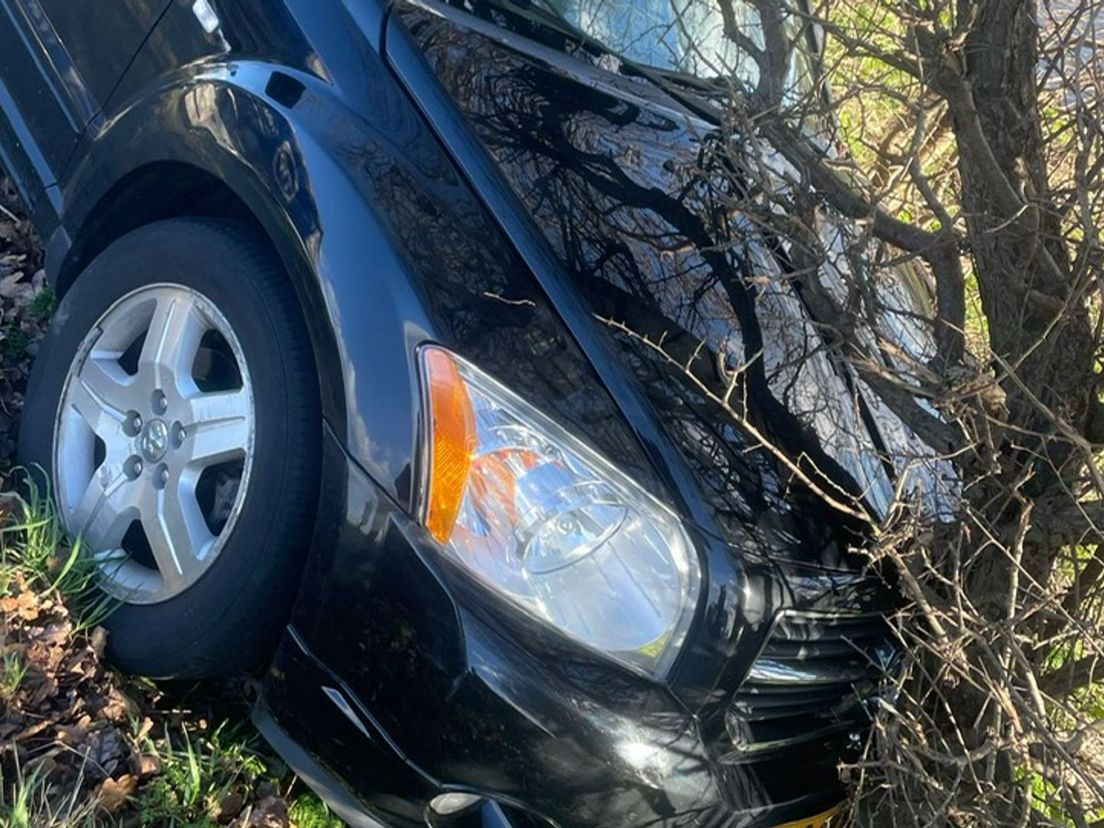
390	689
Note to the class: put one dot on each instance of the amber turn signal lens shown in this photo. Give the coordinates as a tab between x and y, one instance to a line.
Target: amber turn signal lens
452	443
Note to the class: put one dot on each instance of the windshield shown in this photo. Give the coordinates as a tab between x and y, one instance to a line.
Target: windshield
690	37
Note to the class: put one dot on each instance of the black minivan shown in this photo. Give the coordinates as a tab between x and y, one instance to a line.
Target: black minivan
393	357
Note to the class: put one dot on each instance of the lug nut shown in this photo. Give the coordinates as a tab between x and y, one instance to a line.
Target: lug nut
160	402
133	467
132	424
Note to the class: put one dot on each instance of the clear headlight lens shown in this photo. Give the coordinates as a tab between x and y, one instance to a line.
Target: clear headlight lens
543	520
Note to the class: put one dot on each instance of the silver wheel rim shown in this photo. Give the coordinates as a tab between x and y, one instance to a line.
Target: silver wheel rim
154	441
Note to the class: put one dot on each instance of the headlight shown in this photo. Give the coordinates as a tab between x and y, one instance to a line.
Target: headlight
543	520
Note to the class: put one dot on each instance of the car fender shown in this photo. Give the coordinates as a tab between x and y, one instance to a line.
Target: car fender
307	168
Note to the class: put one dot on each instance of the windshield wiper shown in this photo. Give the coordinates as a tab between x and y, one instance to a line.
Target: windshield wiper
702	97
546	14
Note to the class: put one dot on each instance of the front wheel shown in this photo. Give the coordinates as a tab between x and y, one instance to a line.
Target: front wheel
174	405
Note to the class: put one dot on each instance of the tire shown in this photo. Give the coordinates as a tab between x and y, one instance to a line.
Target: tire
227	619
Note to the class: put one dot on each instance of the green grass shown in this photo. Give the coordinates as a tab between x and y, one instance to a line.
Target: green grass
12	672
1047	801
203	763
26	802
43	305
308	811
200	772
15	342
34	547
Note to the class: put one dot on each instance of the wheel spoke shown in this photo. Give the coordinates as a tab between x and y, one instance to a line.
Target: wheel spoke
106	509
219	427
172	342
100	398
178	536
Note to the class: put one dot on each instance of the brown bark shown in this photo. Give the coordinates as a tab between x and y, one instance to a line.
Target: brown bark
1014	242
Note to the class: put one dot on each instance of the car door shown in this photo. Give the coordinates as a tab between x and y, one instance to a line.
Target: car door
59	60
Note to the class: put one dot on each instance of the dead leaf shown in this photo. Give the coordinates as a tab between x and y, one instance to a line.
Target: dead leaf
107	751
13	286
270	812
99	641
113	793
149	764
72	735
144	729
230	806
118	706
45	688
24	605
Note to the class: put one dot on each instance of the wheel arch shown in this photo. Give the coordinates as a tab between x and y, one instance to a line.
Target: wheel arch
269	147
190	187
154	192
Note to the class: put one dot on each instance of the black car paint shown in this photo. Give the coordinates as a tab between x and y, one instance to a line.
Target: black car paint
377	181
59	70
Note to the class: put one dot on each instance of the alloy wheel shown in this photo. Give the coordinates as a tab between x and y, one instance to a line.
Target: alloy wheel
154	440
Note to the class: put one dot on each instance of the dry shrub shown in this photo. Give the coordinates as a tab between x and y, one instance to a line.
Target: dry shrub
935	189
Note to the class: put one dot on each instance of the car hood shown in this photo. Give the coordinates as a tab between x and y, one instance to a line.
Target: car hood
629	188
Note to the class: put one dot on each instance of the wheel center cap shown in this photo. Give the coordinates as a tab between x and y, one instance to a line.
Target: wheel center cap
154	441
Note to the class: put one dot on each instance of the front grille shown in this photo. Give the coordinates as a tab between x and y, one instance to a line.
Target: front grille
813	679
